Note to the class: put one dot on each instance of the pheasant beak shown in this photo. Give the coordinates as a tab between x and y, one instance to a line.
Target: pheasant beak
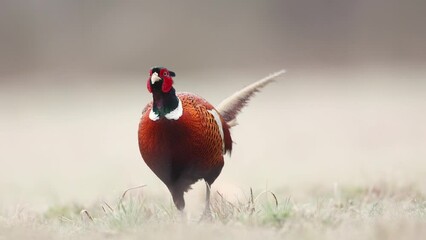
155	78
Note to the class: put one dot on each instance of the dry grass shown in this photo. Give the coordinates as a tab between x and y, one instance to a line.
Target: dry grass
381	211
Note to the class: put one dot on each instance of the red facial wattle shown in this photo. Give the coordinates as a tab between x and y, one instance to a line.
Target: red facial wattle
167	80
148	85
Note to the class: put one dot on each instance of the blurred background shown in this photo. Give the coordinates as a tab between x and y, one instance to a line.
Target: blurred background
351	108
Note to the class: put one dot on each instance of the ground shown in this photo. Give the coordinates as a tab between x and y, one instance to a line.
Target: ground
381	211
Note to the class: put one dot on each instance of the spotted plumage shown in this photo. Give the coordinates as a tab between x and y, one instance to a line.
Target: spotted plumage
182	137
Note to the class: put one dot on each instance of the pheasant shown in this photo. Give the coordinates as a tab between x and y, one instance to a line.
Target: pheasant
183	138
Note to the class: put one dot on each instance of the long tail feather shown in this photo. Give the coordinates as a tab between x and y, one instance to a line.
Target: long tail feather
231	106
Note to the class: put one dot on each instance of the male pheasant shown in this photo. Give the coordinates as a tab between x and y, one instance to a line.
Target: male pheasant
182	137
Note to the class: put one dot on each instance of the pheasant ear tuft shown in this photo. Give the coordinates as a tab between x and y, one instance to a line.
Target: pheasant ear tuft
172	74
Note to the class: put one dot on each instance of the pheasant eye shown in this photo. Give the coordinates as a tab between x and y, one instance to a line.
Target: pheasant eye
165	74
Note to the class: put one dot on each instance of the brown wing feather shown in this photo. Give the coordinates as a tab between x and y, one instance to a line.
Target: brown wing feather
209	128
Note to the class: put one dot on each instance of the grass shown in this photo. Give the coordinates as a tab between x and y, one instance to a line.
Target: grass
379	212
